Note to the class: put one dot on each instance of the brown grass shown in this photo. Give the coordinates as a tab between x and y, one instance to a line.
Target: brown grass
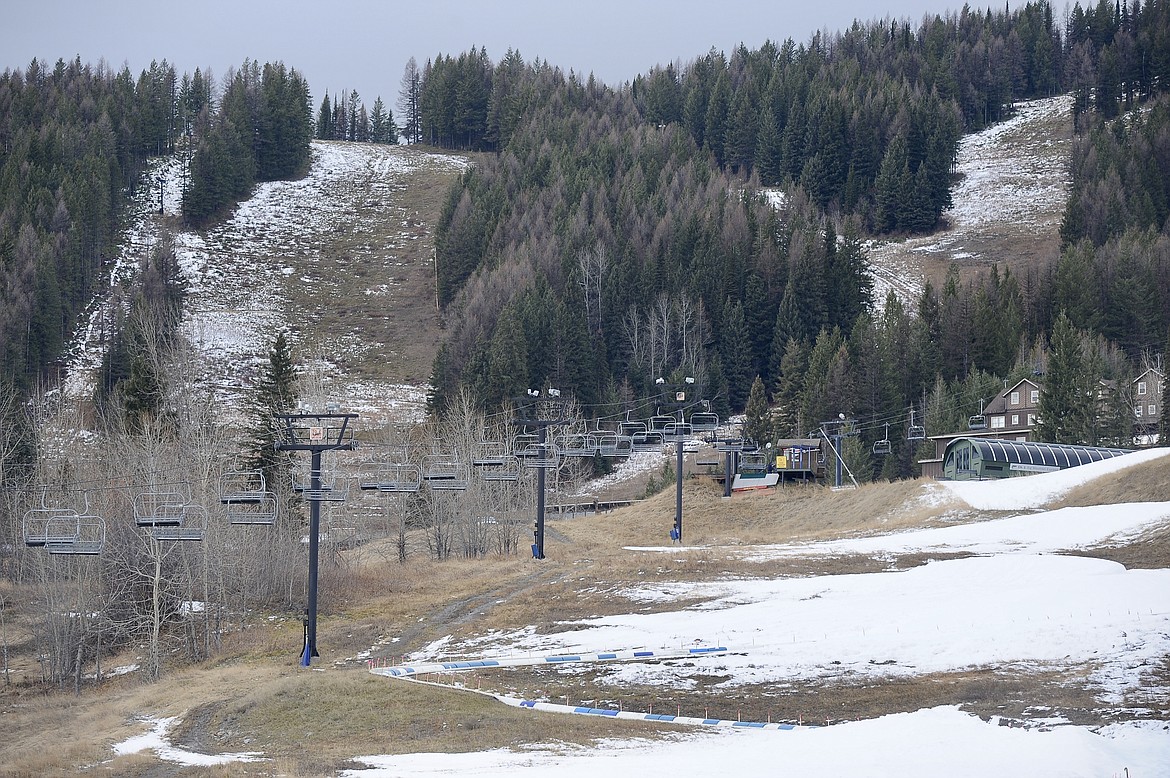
1147	482
985	692
349	714
371	299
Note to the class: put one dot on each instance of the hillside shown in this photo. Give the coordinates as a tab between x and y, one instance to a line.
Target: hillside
344	259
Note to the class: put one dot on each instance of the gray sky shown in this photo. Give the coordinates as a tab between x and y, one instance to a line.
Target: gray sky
364	44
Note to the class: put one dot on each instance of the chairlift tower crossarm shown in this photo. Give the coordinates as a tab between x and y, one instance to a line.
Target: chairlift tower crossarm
840	423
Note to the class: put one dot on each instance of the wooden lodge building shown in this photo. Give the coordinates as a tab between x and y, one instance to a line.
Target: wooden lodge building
1001	441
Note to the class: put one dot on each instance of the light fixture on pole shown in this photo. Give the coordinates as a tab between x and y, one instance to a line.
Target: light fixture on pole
682	431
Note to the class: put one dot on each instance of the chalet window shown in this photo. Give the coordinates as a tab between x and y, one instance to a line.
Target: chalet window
1138	411
1031	419
1015	419
1015	398
1141	387
1152	410
1035	396
997	422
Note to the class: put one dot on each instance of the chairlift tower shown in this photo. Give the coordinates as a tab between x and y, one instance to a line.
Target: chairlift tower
537	410
677	400
315	433
841	424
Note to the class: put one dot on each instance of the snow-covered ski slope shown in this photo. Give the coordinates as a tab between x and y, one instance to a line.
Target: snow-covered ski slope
999	596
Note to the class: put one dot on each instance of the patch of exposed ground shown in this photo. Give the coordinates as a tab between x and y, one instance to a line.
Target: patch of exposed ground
1012	183
344	261
1018	695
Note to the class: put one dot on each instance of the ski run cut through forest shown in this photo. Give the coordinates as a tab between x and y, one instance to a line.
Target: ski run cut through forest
1011	180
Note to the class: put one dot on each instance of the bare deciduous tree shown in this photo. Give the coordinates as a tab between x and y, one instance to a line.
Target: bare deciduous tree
593	263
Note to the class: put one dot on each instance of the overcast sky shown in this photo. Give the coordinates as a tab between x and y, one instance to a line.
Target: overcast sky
364	44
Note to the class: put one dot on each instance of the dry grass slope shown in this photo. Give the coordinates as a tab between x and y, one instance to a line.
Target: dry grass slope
253	697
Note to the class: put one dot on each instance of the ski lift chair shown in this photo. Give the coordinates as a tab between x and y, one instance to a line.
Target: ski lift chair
161	507
444	473
651	440
489	453
393	477
191	527
88	536
705	421
978	421
246	499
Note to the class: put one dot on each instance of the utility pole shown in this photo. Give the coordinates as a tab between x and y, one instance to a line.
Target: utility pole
315	433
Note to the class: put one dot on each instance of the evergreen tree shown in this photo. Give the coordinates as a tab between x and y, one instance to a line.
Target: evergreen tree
787	326
789	387
757	423
663	96
739	145
275	393
857	458
737	356
715	121
892	189
848	283
816	403
382	129
759	318
1068	402
507	360
362	133
508	100
1115	417
142	392
769	149
325	120
409	107
352	120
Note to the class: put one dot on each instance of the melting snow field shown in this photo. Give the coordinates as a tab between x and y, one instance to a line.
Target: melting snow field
1012	175
940	741
275	239
155	740
1013	605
